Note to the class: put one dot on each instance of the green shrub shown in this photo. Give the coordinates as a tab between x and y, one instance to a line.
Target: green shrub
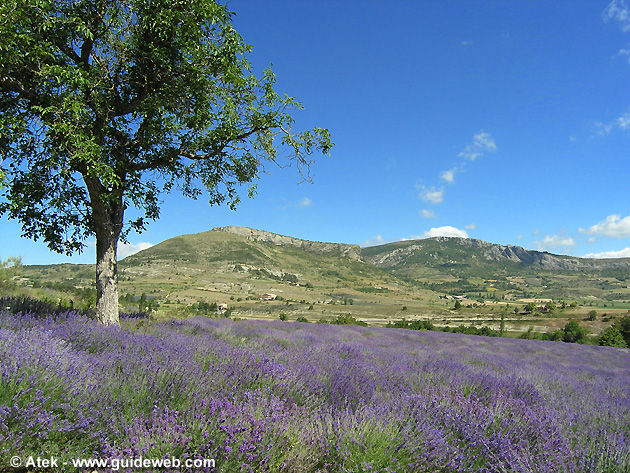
611	337
623	326
574	333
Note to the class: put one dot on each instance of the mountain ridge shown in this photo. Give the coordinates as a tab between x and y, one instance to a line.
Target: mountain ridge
353	252
469	252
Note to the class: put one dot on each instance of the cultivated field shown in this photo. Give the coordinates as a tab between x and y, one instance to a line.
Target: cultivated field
261	396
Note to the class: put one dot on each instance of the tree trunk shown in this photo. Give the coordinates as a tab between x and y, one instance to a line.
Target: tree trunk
107	218
107	276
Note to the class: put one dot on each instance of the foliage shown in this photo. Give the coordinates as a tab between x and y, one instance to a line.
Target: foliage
611	337
271	397
412	325
9	269
623	326
530	308
574	333
105	105
203	308
472	330
348	319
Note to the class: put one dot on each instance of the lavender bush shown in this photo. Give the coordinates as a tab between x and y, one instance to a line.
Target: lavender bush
288	397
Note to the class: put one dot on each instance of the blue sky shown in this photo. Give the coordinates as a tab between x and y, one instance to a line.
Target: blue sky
503	121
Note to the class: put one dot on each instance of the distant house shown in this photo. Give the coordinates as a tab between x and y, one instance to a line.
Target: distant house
268	297
222	307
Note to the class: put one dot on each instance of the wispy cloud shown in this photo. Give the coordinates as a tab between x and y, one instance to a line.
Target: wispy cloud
618	12
553	242
377	240
305	202
128	249
613	226
619	123
625	253
466	43
424	213
431	194
482	142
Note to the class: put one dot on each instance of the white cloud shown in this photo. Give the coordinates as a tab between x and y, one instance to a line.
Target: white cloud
614	226
305	202
449	176
623	121
625	253
619	12
424	213
603	129
431	194
471	226
446	231
625	52
551	242
620	123
467	43
127	249
482	142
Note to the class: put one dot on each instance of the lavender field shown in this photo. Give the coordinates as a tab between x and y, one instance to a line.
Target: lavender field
291	397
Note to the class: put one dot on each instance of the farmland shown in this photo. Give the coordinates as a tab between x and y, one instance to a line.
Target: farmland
272	396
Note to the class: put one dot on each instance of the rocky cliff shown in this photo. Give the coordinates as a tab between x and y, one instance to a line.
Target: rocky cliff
352	252
452	250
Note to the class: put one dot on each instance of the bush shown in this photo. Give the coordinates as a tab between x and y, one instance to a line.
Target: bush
623	326
611	337
347	319
574	333
22	305
414	325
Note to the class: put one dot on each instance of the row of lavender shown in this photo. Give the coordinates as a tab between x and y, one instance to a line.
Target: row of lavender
288	397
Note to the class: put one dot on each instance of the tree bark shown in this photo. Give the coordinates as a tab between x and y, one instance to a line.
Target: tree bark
107	215
107	276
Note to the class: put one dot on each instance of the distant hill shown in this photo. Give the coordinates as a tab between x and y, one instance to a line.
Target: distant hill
463	257
352	252
249	258
237	266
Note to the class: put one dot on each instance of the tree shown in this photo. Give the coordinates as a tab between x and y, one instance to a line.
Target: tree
105	104
611	337
623	326
9	269
530	308
574	333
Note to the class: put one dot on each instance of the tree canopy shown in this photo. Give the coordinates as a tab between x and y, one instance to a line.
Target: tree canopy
105	104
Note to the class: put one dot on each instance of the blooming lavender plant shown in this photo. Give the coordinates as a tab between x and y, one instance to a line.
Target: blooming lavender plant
287	397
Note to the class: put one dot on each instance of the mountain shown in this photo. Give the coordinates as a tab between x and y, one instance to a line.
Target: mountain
465	257
244	262
237	266
352	252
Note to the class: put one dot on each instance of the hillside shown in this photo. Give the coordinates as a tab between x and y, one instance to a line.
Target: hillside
418	279
470	257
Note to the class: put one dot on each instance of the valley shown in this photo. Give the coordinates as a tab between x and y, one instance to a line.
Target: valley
318	282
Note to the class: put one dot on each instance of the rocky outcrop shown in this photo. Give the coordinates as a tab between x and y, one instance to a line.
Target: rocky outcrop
352	252
493	252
